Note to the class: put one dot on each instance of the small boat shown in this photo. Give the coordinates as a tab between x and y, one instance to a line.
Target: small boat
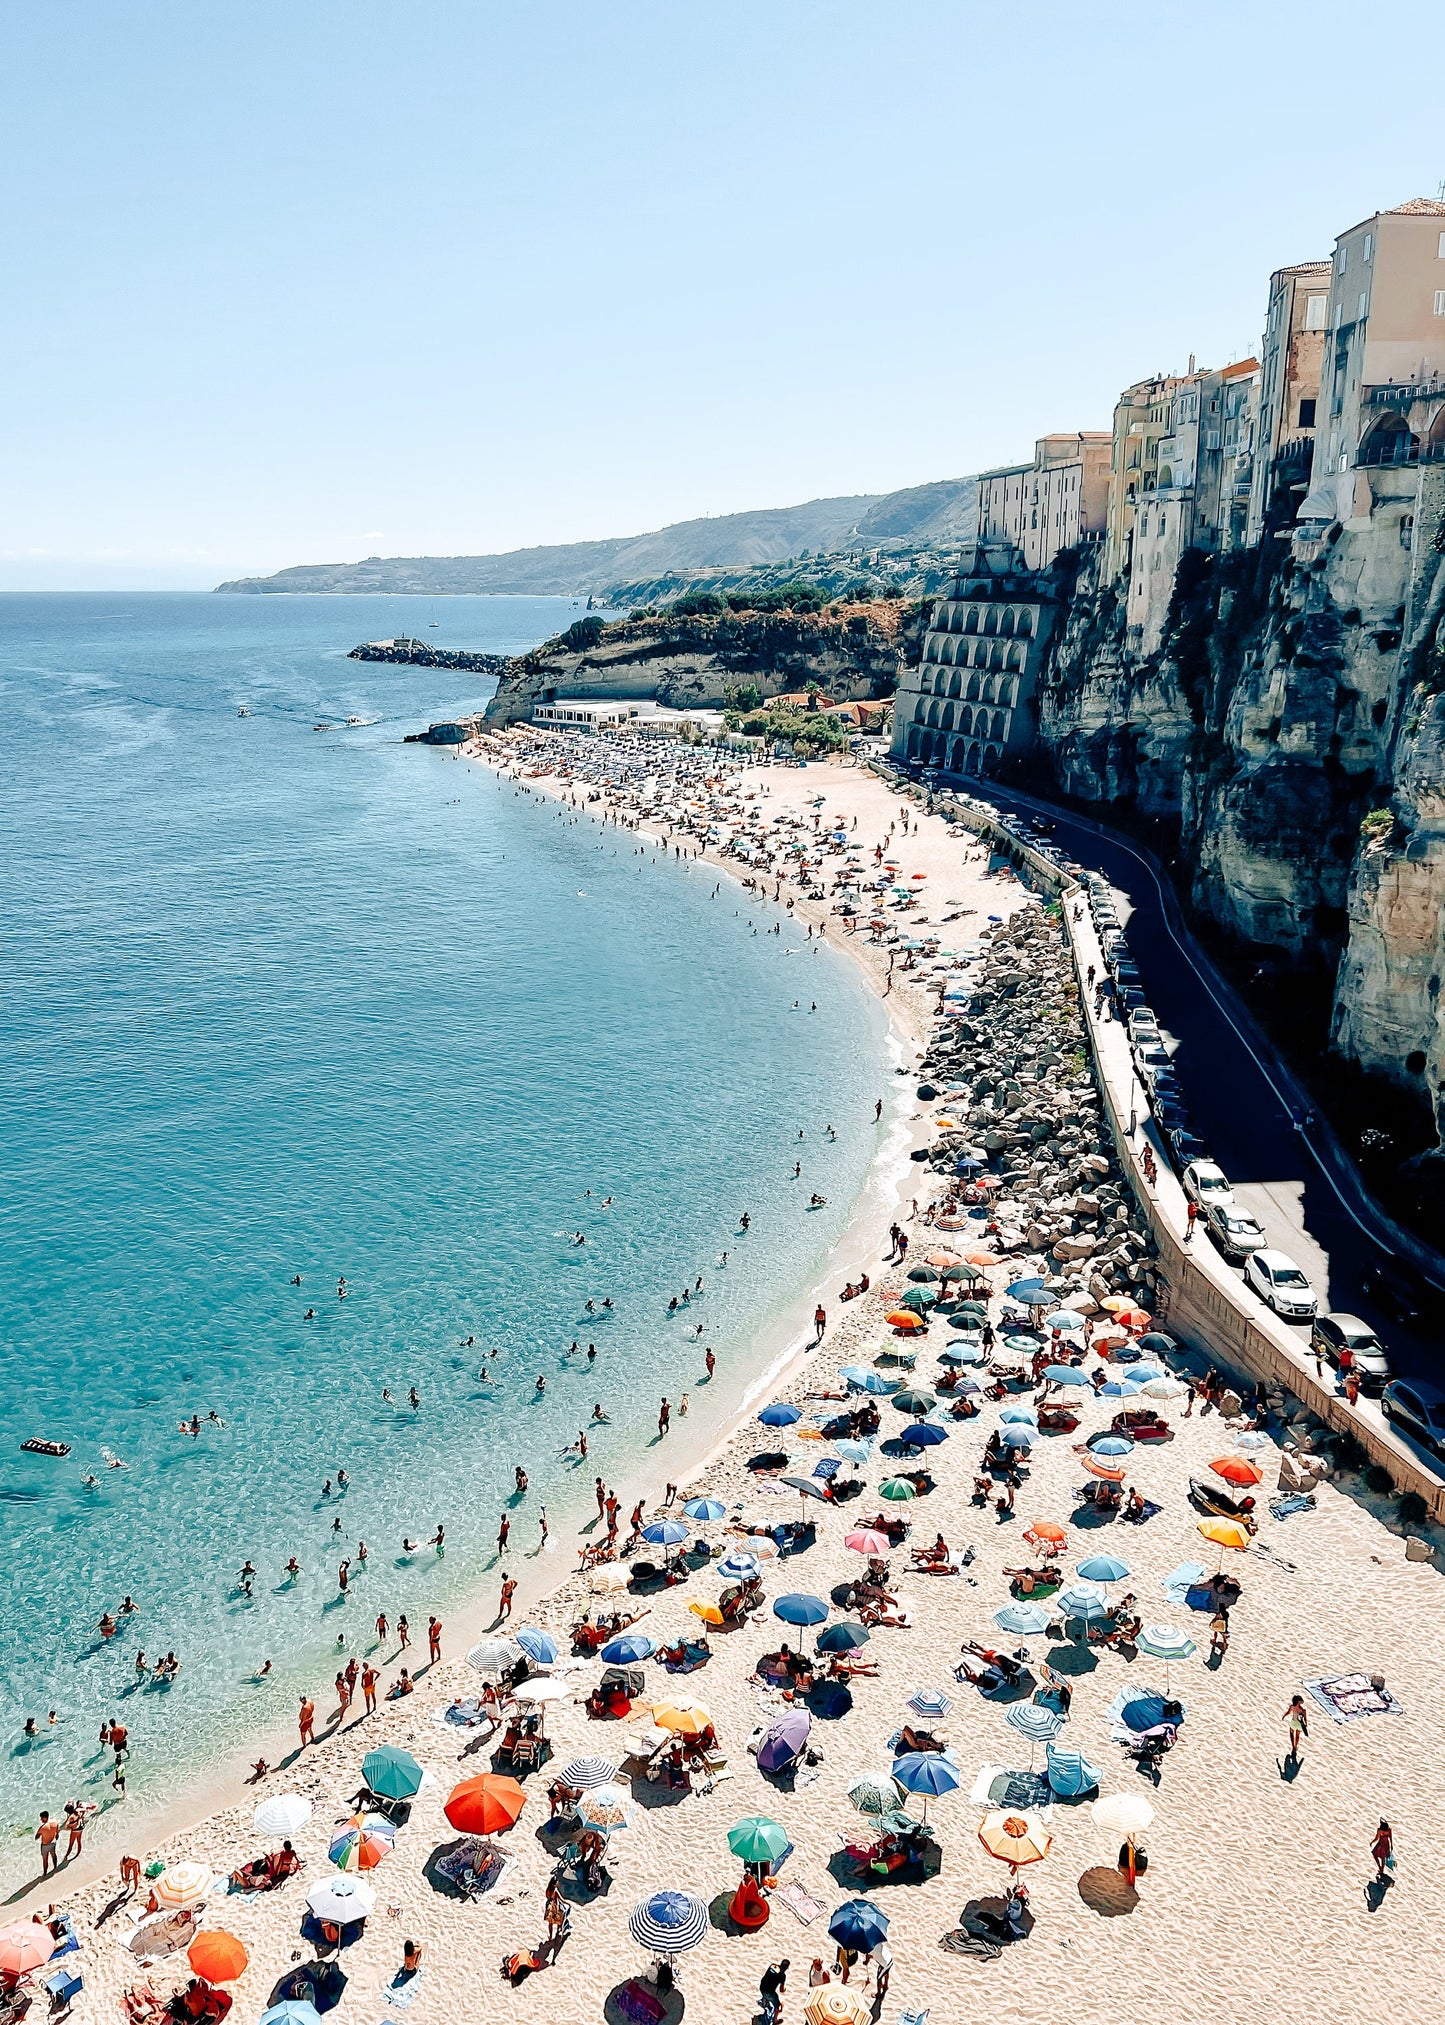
356	720
243	711
37	1446
323	727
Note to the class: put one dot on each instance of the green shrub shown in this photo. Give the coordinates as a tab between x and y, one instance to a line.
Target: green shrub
583	633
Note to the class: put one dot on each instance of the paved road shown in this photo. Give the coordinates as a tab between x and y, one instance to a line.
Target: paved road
1244	1106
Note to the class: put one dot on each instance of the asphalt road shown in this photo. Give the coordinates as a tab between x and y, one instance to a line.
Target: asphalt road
1283	1168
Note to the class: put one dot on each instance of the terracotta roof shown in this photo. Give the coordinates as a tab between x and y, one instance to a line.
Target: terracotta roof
1417	207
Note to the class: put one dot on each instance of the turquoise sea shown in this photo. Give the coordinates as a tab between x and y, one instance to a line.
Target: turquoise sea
279	1001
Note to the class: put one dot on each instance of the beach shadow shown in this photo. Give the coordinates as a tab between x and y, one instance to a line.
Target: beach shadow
1107	1892
1088	1519
1073	1659
1376	1892
654	1797
620	2006
1289	1769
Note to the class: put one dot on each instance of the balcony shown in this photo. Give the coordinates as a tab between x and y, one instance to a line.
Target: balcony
1400	393
1398	451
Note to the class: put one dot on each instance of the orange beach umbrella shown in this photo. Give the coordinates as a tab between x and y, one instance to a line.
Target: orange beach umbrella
1015	1838
1235	1469
485	1805
25	1945
903	1318
217	1955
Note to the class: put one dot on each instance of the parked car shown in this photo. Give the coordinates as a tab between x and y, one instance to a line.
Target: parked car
1130	998
1419	1409
1233	1229
1151	1059
1184	1146
1205	1183
1143	1025
1332	1335
1281	1285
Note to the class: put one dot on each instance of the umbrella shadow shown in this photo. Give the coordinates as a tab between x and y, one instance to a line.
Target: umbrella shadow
655	1797
1089	1518
829	1700
318	1983
1107	1892
1072	1658
313	1933
619	2007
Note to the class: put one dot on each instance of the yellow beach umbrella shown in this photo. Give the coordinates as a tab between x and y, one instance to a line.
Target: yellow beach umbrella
833	2004
1225	1533
1015	1837
183	1883
708	1612
683	1718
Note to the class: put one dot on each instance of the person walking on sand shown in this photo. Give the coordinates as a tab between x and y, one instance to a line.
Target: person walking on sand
434	1639
509	1590
1219	1634
1382	1849
820	1323
504	1528
306	1720
74	1829
382	1628
771	1986
1297	1723
664	1417
369	1679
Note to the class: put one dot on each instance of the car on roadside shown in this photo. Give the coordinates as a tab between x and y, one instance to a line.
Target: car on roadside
1333	1335
1281	1285
1184	1146
1143	1024
1151	1059
1233	1229
1205	1183
1417	1408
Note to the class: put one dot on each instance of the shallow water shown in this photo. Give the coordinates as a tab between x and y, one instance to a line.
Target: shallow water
279	1001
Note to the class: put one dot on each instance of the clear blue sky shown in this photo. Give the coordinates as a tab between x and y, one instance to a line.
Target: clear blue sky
329	278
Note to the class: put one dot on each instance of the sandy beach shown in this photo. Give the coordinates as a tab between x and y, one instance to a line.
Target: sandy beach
1256	1888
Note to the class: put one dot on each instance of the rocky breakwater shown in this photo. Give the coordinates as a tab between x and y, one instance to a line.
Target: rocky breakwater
709	659
1014	1067
418	654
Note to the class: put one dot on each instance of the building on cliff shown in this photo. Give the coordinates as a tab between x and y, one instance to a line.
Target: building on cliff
1289	385
968	705
1059	500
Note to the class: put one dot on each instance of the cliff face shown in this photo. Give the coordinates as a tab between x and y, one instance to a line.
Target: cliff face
852	652
1292	726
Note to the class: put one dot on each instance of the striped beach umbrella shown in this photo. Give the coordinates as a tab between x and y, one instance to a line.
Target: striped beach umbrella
495	1655
1023	1619
607	1808
669	1922
1038	1724
704	1510
181	1884
282	1814
361	1841
875	1793
584	1773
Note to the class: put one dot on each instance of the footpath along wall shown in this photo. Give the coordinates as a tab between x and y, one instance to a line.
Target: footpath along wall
1198	1298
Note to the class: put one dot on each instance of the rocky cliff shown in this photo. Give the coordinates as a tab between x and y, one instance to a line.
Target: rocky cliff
701	659
1289	735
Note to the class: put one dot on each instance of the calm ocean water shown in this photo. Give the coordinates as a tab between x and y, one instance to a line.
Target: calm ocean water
278	1001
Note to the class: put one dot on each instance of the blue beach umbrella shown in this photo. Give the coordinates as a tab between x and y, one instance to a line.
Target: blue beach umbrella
930	1702
843	1637
854	1451
1083	1601
739	1567
1023	1619
1104	1568
924	1434
1119	1388
669	1922
1021	1289
967	1353
858	1925
800	1609
1112	1444
1016	1436
628	1648
780	1414
540	1646
391	1772
704	1510
867	1381
1064	1318
1038	1724
927	1773
1142	1373
663	1533
1065	1374
1020	1416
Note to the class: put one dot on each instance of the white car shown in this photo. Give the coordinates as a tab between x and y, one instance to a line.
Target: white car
1205	1183
1281	1285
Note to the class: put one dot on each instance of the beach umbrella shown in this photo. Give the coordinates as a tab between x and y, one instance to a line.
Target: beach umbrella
965	1353
927	1773
866	1541
904	1319
1015	1837
704	1510
923	1274
604	1582
1126	1814
918	1300
875	1793
1030	1293
867	1381
669	1922
341	1900
628	1648
1111	1445
977	1311
858	1925
758	1839
945	1261
1166	1642
294	2011
835	2004
1016	1435
665	1533
855	1451
844	1636
897	1490
800	1609
1165	1388
924	1434
682	1717
783	1739
1142	1374
1131	1318
1022	1416
808	1487
1235	1470
1064	1318
539	1692
1119	1388
484	1805
708	1612
584	1774
1025	1620
282	1814
1156	1341
1108	1472
930	1702
1224	1533
914	1399
1084	1602
25	1945
780	1414
540	1646
361	1841
1253	1437
737	1567
1065	1374
607	1808
1031	1720
391	1772
214	1954
1045	1534
1105	1568
181	1884
495	1655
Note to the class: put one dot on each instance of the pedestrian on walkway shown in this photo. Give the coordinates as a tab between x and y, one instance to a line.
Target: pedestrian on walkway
1297	1723
1191	1217
1382	1849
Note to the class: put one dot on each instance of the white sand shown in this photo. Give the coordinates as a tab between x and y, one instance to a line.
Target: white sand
1255	1894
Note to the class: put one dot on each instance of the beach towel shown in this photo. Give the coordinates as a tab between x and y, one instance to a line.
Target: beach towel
635	2001
1286	1507
1002	1786
1188	1575
1150	1510
799	1901
1349	1697
827	1467
402	1994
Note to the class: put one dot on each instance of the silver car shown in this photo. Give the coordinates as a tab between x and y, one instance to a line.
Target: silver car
1236	1233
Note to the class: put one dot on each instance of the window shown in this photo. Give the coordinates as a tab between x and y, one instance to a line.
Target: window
1440	249
1364	303
1343	261
1440	302
1306	414
1369	245
1317	306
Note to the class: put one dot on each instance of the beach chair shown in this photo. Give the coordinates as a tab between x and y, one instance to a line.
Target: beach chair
62	1989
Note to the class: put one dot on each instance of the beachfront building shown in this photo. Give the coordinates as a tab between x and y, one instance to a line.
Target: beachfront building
1289	387
968	705
1058	500
637	717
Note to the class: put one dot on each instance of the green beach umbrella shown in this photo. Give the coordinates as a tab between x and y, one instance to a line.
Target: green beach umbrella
898	1490
758	1839
919	1299
923	1274
391	1772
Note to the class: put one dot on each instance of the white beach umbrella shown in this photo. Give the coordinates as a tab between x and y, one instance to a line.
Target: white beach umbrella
342	1898
494	1655
543	1691
181	1884
282	1814
607	1581
1122	1814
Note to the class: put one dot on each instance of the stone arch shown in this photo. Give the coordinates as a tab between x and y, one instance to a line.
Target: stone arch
973	759
1018	653
986	693
1006	624
955	684
965	719
1025	626
970	623
990	621
1390	440
991	757
920	714
972	690
925	682
956	756
945	717
1435	435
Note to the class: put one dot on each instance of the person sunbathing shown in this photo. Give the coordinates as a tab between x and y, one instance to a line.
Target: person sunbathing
937	1552
1024	1581
844	1665
885	1611
264	1873
1002	1662
910	1739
